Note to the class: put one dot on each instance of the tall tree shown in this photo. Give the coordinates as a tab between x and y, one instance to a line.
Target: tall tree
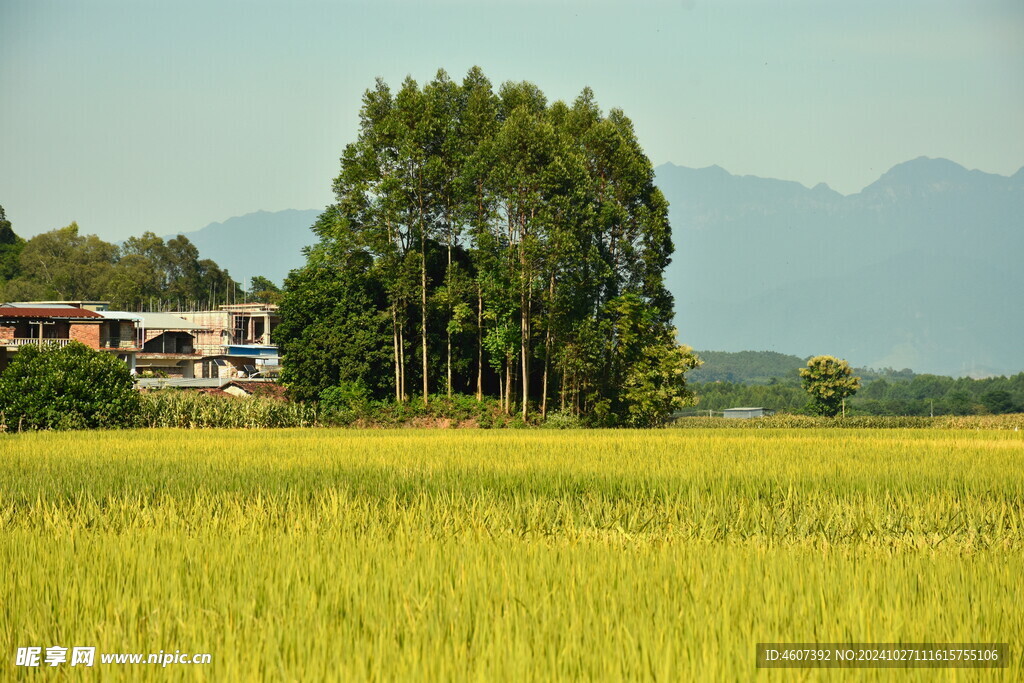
416	161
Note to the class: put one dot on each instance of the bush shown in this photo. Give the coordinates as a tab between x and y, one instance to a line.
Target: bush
68	387
340	408
562	420
344	403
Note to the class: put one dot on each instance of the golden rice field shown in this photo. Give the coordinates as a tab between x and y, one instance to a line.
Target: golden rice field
507	555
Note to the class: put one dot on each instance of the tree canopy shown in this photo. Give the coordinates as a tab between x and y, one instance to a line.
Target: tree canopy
829	381
143	273
504	245
67	387
10	249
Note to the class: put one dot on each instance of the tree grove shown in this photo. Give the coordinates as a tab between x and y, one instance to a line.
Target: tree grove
488	242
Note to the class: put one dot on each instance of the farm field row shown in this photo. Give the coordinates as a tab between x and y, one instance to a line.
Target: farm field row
511	555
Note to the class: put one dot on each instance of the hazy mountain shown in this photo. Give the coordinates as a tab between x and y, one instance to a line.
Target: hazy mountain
262	243
920	269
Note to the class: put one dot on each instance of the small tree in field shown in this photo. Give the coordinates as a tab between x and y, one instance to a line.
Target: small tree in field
829	381
69	387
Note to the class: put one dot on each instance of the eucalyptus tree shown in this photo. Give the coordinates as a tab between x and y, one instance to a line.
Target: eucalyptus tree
417	161
369	205
445	102
477	208
525	236
525	152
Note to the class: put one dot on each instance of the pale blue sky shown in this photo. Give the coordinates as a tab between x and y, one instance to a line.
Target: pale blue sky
133	115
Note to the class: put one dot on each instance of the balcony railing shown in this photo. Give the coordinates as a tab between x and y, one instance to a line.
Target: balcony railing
26	341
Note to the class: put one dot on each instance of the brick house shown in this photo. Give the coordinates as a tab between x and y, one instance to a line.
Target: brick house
22	324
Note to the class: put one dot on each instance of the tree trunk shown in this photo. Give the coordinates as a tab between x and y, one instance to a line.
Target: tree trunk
479	342
448	274
547	348
561	404
508	384
547	363
423	297
501	390
524	314
401	358
524	348
394	339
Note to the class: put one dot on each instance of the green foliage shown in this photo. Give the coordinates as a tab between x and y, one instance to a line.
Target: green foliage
331	330
144	272
562	420
512	246
648	364
901	393
998	401
747	367
264	291
829	381
10	250
456	411
717	396
66	387
345	401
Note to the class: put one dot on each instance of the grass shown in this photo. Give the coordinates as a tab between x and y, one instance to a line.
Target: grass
508	555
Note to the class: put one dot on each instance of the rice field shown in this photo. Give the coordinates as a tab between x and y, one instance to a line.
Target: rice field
315	554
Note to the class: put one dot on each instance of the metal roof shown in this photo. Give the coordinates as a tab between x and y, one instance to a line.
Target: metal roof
154	321
64	312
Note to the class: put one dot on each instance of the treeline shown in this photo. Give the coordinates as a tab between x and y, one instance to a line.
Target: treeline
490	243
920	395
769	367
746	367
143	273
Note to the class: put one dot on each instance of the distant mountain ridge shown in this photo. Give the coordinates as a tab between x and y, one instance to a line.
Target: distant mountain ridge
261	243
920	269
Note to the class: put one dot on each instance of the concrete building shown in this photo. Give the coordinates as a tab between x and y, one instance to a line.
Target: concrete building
235	340
166	344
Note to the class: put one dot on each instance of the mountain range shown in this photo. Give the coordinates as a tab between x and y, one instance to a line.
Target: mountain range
920	270
267	243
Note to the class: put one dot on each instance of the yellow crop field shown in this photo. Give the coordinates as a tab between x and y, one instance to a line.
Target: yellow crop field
316	554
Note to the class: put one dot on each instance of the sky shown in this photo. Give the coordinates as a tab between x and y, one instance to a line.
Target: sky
135	115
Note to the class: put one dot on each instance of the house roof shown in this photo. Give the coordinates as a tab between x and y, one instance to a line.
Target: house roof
154	321
62	312
264	389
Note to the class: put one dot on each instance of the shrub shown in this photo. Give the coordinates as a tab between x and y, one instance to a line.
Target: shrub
562	420
69	387
344	403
